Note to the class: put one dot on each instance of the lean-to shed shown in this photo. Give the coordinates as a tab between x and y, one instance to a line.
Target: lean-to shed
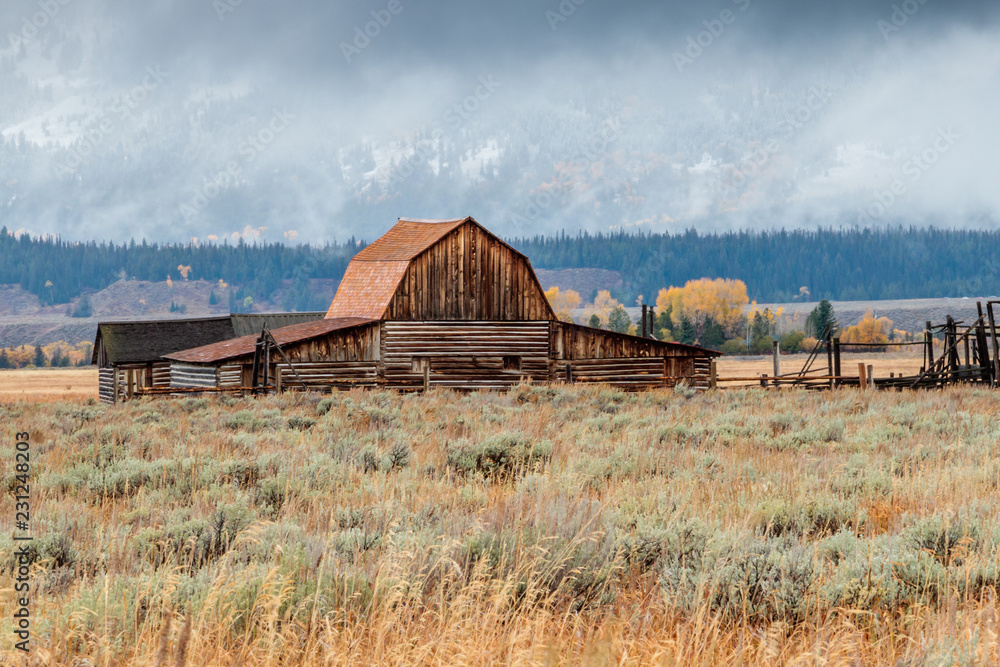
129	354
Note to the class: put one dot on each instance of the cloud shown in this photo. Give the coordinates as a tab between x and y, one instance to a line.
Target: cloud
683	134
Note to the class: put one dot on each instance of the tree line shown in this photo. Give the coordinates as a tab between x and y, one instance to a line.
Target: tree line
836	264
57	271
778	266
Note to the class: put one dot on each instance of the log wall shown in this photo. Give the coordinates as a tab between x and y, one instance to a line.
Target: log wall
106	384
466	355
574	341
338	374
183	376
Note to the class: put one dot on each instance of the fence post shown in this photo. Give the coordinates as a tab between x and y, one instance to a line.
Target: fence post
836	360
871	377
829	361
427	375
776	353
713	375
862	379
995	342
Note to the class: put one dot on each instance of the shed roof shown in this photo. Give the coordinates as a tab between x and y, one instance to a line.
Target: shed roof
140	342
245	345
145	341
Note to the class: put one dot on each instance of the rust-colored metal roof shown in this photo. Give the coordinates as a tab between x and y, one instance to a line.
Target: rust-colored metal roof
374	274
407	239
366	289
241	347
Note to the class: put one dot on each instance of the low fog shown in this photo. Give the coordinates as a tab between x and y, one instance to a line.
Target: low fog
310	121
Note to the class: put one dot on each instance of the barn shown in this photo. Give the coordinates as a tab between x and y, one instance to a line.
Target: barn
444	303
129	354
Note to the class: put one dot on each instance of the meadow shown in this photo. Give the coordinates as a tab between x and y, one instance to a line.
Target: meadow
548	525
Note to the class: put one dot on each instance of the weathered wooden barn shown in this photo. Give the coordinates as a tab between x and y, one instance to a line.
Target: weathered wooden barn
129	354
448	303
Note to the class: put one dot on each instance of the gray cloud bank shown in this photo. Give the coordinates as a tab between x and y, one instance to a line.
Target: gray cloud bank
533	116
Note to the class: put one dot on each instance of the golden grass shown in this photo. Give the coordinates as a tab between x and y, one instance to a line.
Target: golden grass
48	384
541	527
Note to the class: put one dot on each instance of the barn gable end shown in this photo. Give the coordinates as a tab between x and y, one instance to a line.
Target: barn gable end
451	270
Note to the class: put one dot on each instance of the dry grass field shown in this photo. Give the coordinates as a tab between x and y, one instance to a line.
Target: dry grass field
48	384
541	527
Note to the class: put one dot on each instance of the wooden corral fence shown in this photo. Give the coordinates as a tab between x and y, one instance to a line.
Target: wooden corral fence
970	355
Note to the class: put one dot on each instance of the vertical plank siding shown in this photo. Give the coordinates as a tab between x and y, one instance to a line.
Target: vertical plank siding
355	344
469	276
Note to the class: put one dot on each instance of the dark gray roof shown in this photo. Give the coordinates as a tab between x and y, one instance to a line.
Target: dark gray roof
140	342
249	325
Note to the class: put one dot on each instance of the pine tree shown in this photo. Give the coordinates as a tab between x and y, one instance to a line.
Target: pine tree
4	359
39	357
713	336
595	321
618	320
664	321
687	334
820	318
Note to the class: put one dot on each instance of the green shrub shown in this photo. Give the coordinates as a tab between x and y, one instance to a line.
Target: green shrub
196	542
301	423
735	348
499	456
246	420
946	539
764	581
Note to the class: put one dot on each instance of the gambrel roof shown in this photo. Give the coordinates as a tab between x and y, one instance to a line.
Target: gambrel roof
373	277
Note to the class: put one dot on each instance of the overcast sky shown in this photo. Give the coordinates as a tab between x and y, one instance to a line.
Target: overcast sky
917	68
